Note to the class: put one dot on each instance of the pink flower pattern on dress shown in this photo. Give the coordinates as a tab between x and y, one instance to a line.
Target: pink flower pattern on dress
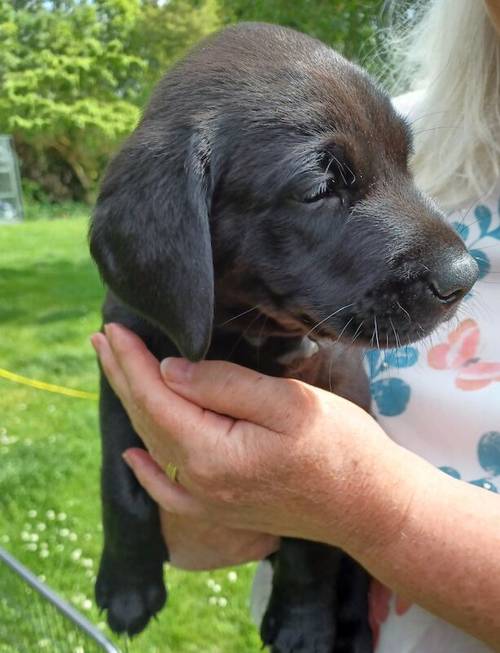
460	353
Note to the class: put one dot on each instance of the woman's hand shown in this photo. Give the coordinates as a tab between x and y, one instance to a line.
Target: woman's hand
195	544
253	453
257	455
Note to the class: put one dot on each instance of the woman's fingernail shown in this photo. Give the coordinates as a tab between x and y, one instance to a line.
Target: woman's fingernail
127	458
176	369
94	341
108	331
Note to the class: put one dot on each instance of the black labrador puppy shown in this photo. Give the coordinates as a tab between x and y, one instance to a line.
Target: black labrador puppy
263	211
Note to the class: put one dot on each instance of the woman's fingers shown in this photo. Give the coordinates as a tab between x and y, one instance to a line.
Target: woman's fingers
110	367
196	545
239	392
223	389
132	355
217	545
181	419
170	495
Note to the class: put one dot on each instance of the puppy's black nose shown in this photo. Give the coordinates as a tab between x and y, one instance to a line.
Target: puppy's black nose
453	276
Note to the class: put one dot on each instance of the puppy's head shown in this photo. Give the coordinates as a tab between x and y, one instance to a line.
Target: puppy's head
267	157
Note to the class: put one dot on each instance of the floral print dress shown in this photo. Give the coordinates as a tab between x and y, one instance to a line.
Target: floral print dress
441	399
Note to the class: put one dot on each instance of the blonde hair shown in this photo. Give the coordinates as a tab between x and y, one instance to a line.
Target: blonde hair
450	50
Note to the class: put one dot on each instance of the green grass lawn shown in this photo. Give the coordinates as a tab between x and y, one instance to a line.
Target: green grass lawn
50	295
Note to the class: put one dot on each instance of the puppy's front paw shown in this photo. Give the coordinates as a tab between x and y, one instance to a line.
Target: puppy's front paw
130	597
298	628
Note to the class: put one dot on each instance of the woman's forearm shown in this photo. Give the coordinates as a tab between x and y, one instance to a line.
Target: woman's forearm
445	552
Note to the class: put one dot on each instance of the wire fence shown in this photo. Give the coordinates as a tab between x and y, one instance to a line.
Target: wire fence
34	618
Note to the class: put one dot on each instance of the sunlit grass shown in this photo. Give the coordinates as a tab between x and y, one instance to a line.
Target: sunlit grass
50	295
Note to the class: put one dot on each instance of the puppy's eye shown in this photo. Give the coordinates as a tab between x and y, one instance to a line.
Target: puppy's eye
338	179
327	188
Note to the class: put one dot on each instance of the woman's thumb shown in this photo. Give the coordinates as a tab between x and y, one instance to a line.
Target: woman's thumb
235	391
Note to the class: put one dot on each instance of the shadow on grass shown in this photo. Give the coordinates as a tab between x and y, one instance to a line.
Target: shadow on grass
49	292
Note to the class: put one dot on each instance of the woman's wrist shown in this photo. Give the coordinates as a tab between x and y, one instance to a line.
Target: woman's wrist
382	483
436	553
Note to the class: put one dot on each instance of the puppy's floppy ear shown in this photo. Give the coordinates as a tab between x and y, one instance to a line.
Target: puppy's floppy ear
150	236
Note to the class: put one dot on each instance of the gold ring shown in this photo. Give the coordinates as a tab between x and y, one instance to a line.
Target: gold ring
172	472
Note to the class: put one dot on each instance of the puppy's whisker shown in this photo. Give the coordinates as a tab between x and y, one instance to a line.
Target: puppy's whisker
341	167
344	328
327	318
329	166
464	215
357	332
376	331
393	330
405	312
330	369
231	319
241	336
474	203
341	170
372	338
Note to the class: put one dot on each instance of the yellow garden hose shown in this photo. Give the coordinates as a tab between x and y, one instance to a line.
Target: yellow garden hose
48	387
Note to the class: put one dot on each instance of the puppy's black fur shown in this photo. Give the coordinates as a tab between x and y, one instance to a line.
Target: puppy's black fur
268	180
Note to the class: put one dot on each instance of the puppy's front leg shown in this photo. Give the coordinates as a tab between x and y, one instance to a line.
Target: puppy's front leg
354	634
300	616
130	580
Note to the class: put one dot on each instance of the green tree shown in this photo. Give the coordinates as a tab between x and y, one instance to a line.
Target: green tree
74	74
64	81
350	26
165	31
